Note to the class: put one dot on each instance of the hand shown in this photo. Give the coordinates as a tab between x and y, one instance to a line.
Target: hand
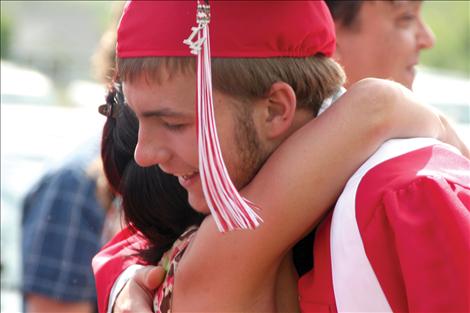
138	293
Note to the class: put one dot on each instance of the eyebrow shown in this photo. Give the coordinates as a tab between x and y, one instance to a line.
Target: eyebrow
403	4
165	112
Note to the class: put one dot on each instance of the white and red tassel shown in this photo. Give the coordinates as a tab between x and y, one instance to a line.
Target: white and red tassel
229	209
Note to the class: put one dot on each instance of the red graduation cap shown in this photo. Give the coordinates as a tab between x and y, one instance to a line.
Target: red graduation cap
238	29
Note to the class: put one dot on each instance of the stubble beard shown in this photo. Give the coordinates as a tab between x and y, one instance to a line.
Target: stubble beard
252	153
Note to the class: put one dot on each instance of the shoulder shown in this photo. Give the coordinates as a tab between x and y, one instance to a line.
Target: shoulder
400	164
402	174
422	185
375	95
410	197
66	177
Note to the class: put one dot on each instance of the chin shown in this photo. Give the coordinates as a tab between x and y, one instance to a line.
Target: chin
199	205
408	78
408	83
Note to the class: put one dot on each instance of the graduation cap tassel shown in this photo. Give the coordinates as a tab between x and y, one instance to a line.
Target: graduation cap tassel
229	209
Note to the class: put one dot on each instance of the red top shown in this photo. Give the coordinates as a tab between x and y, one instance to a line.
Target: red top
117	255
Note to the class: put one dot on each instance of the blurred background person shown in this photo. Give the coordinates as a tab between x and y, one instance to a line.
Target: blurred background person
387	38
61	230
380	38
63	220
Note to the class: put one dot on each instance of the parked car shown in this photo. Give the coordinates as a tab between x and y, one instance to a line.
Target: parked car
24	85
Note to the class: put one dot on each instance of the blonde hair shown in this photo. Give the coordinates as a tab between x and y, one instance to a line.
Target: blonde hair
313	79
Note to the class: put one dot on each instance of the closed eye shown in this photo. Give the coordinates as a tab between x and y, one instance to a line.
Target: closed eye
174	127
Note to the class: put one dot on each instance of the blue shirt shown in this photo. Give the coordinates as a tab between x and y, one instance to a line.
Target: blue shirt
61	230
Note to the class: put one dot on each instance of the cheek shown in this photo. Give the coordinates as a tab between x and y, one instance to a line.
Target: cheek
185	145
389	40
228	143
402	42
388	52
148	135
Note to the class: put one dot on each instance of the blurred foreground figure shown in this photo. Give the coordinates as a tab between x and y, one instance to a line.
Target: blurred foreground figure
380	39
66	218
61	228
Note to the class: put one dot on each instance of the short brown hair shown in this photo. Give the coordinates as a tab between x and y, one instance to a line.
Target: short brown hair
313	79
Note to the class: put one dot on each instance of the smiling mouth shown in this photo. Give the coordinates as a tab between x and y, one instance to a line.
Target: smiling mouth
189	176
187	179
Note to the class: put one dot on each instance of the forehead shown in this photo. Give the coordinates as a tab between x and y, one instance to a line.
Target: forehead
381	12
154	69
172	93
388	6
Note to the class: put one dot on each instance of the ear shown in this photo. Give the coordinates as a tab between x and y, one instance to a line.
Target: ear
278	110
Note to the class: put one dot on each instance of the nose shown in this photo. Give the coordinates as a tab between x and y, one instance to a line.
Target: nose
426	37
147	156
150	151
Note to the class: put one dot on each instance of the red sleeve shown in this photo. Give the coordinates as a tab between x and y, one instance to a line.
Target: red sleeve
417	239
117	255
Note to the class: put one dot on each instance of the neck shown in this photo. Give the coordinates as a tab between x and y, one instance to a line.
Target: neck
302	117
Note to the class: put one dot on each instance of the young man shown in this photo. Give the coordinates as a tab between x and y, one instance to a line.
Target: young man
379	38
160	128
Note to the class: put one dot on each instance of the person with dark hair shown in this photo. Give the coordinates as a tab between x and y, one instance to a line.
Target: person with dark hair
379	38
154	204
117	141
266	100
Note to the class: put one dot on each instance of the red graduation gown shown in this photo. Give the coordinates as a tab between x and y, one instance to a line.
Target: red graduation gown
399	237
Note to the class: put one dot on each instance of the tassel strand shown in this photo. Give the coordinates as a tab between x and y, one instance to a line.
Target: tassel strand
229	209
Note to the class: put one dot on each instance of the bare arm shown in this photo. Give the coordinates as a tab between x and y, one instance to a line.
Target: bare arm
37	303
220	271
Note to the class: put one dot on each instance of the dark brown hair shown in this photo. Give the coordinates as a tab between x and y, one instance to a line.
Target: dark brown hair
345	12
